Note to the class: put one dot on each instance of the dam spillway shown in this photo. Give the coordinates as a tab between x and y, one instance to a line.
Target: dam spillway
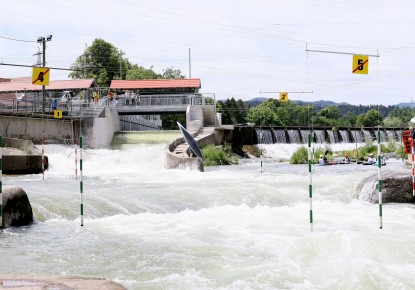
274	135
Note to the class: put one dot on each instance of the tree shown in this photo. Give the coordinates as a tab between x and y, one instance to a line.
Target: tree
100	61
171	73
233	112
264	114
136	72
371	119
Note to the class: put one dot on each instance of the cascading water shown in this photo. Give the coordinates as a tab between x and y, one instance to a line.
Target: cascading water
332	138
390	135
230	227
294	136
344	136
319	136
264	136
279	135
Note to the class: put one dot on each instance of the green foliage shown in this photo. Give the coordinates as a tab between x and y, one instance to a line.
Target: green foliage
169	121
100	61
401	152
218	155
171	73
371	119
233	112
300	156
136	72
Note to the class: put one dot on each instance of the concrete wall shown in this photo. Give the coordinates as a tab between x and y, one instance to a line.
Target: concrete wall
219	136
172	161
96	132
23	164
104	129
55	130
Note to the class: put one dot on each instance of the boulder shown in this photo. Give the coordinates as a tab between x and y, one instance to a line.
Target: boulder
17	210
395	188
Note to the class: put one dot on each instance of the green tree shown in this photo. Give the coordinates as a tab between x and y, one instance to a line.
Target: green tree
233	112
171	73
371	119
100	61
136	72
264	114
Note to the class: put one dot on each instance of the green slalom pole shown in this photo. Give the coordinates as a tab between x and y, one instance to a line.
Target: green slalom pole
310	185
379	181
1	182
81	181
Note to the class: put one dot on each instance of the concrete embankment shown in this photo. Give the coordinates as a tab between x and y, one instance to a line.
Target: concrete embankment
21	157
176	152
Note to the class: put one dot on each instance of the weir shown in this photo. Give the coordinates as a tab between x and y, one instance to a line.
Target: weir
250	135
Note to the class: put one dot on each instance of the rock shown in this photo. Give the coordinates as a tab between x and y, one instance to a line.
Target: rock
17	210
395	188
10	281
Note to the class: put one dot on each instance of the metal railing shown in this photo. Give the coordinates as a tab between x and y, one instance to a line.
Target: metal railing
77	106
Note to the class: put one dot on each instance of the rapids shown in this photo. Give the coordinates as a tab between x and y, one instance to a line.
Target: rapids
230	227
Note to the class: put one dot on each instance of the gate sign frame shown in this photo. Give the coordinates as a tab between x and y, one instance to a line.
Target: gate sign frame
360	64
407	141
283	97
40	76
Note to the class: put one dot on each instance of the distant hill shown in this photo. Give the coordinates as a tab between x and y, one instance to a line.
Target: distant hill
403	105
321	103
255	102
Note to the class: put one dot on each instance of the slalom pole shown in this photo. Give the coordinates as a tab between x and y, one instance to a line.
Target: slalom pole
43	155
81	184
260	138
1	182
379	181
76	160
413	167
310	186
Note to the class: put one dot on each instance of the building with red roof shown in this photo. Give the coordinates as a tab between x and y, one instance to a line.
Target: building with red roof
158	86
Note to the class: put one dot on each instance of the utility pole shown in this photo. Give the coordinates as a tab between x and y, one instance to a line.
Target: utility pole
190	65
121	54
43	40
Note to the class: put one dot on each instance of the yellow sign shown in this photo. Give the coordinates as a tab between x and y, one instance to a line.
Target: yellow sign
57	114
283	97
360	64
40	76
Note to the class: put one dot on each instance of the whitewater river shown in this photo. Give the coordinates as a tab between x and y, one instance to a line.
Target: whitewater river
231	227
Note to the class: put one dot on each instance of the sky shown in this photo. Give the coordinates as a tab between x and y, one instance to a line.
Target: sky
238	48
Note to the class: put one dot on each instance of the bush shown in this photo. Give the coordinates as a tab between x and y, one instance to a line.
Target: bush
300	156
218	155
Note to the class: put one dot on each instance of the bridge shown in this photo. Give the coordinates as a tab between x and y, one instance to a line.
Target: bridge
79	107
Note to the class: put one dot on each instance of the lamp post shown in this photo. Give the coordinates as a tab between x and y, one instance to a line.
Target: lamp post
43	40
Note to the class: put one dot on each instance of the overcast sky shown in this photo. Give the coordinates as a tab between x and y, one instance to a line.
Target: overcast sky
238	48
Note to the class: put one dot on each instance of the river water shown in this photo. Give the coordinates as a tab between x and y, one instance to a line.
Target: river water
230	227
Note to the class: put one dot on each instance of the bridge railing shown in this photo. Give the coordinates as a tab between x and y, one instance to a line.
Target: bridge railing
78	106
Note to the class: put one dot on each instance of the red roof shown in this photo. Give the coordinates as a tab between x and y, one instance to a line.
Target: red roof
156	84
21	84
